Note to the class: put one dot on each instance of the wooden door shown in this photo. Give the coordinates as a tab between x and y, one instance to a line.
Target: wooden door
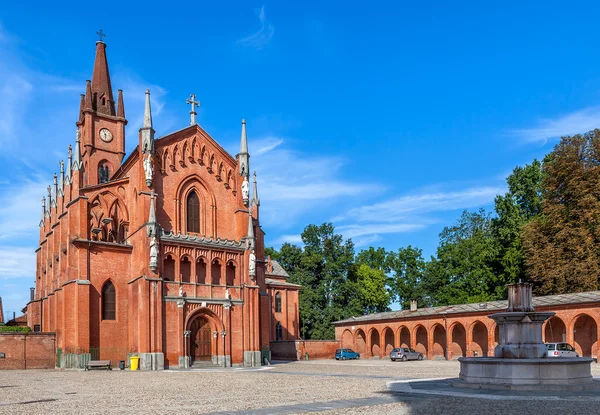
201	340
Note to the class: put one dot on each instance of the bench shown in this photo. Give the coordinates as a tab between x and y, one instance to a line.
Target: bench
98	364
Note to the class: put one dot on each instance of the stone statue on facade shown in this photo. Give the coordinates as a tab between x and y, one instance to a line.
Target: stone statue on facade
252	263
148	169
245	190
181	290
153	253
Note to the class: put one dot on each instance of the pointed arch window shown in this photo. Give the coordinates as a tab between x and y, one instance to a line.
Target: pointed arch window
278	303
193	212
108	301
278	332
103	173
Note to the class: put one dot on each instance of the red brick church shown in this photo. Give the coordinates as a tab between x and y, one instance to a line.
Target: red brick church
158	253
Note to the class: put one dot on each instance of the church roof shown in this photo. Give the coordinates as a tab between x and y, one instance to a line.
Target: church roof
487	307
278	270
270	281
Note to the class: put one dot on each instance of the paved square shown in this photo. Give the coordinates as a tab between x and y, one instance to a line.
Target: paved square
325	386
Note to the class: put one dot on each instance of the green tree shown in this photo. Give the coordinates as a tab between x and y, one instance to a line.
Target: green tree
515	209
561	244
407	266
464	269
371	289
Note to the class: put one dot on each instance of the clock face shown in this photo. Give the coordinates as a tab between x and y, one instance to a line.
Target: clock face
105	135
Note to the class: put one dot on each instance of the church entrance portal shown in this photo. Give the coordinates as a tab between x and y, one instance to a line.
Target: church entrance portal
201	337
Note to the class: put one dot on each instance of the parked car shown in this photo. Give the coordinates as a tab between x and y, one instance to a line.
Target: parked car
404	354
346	354
560	350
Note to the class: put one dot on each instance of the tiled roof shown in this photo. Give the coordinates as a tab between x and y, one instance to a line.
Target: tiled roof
490	306
278	270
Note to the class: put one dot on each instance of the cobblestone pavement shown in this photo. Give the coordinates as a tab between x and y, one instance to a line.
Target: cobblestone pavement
326	386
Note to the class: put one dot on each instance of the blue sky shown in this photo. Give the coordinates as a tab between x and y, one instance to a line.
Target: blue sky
387	118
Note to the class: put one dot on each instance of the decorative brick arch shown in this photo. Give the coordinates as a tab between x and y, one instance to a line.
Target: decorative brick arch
403	336
388	340
208	205
374	342
555	330
479	338
420	339
458	340
360	341
347	339
438	333
585	335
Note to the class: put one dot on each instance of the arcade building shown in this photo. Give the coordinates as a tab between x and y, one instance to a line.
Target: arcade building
159	253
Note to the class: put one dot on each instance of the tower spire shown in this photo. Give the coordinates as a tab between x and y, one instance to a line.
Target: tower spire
101	86
244	157
81	108
88	96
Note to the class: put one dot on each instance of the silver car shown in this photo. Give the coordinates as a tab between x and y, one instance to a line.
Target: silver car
404	354
560	350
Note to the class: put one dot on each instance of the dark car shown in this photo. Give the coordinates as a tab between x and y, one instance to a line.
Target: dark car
404	354
346	354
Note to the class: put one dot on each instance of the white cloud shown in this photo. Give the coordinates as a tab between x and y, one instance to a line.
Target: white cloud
292	239
16	262
21	209
399	209
263	36
292	183
573	123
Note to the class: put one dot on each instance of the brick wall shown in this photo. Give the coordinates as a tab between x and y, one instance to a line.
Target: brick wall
296	350
28	350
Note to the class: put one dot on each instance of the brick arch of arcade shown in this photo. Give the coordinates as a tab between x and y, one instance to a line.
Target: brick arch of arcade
474	334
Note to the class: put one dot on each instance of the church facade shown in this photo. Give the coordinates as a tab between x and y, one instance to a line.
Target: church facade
158	253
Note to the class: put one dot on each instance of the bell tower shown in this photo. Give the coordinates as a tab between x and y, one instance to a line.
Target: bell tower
101	124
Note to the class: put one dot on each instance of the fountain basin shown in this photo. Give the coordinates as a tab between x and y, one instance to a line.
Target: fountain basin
527	374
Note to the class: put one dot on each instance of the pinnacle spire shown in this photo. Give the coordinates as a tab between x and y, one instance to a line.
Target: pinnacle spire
244	157
81	107
77	163
120	105
49	197
69	165
61	185
250	236
101	86
43	210
255	198
147	132
147	111
88	96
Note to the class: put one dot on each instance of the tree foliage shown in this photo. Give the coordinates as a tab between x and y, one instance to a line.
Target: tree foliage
561	244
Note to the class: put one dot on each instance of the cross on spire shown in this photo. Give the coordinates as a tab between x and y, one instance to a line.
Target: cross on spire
192	100
101	34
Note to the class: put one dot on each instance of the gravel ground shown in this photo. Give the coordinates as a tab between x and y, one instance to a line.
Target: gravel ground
298	387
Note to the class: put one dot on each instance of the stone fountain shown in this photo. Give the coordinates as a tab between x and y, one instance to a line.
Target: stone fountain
519	361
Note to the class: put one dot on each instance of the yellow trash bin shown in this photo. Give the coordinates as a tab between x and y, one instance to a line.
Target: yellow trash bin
134	362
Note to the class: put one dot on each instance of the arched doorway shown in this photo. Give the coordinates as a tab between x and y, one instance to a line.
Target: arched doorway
201	340
404	337
480	339
458	346
375	349
585	336
439	341
555	331
389	340
421	340
361	343
347	339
